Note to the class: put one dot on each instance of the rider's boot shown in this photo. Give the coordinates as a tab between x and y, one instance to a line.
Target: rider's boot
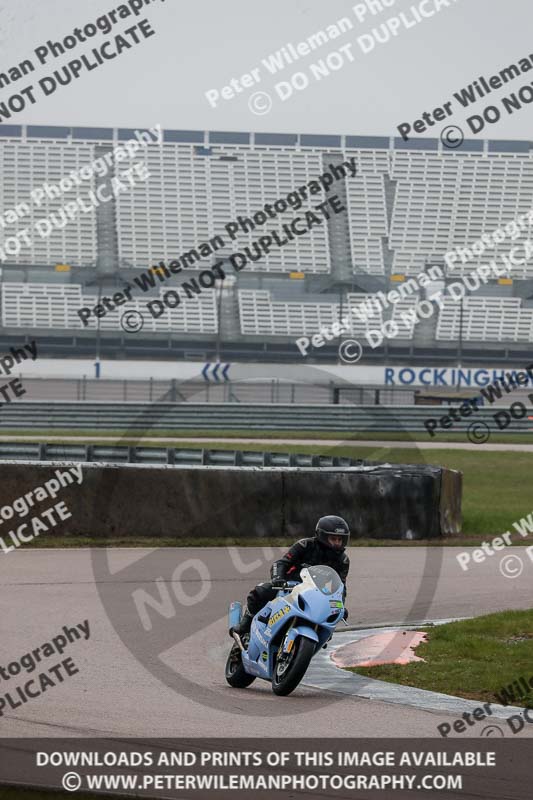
245	624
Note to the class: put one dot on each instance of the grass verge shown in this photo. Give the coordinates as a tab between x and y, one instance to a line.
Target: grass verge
54	542
478	659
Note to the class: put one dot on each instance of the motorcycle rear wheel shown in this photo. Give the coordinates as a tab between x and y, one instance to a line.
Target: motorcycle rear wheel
235	673
285	681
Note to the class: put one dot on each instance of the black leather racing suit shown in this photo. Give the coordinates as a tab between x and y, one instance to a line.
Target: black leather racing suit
305	552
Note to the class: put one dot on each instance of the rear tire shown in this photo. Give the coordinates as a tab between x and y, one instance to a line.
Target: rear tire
235	673
285	683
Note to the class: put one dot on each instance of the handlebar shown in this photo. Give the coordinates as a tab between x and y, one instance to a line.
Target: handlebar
285	585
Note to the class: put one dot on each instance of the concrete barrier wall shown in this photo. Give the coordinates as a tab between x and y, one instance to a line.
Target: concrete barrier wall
387	501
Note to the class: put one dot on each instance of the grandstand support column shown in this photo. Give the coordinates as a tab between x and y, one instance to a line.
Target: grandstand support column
425	330
461	321
340	251
390	197
106	220
106	239
98	334
228	318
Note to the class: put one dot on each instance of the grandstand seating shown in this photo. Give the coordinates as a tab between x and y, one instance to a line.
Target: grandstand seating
256	179
38	305
169	213
262	316
439	200
26	166
447	201
486	319
367	221
407	206
401	316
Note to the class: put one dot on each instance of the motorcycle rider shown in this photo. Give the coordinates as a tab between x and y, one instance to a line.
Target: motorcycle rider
327	547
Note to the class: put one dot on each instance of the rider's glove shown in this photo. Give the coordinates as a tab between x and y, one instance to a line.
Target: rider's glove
345	617
278	582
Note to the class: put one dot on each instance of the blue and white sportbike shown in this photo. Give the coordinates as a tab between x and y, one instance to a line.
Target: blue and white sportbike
287	632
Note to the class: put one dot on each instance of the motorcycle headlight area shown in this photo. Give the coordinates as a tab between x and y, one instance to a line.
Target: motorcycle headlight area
336	610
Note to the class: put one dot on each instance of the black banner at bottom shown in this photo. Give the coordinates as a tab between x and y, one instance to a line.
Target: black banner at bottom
296	768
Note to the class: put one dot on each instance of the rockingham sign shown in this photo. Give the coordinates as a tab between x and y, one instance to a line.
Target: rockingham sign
359	375
450	377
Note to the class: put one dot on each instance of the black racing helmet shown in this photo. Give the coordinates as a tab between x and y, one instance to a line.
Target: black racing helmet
332	526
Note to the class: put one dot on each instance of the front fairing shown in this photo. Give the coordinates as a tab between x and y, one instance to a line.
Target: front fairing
315	605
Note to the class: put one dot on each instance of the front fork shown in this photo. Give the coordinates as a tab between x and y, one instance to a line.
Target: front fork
238	640
290	637
287	643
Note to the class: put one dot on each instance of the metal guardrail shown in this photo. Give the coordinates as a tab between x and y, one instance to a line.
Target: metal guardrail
122	454
273	390
146	417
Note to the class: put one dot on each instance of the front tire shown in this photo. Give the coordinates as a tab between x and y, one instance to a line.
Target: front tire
288	674
235	673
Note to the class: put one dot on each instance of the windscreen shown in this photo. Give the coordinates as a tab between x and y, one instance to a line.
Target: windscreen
325	579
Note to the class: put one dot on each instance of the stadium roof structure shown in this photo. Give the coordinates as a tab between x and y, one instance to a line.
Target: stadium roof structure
300	140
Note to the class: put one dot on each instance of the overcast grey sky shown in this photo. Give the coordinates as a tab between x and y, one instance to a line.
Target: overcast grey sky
202	45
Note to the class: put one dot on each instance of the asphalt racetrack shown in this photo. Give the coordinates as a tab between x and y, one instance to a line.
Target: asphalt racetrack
169	680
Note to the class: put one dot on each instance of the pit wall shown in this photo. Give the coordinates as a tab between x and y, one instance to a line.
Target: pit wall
380	502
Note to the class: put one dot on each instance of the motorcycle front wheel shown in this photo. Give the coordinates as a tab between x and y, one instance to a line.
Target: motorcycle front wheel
290	669
235	673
